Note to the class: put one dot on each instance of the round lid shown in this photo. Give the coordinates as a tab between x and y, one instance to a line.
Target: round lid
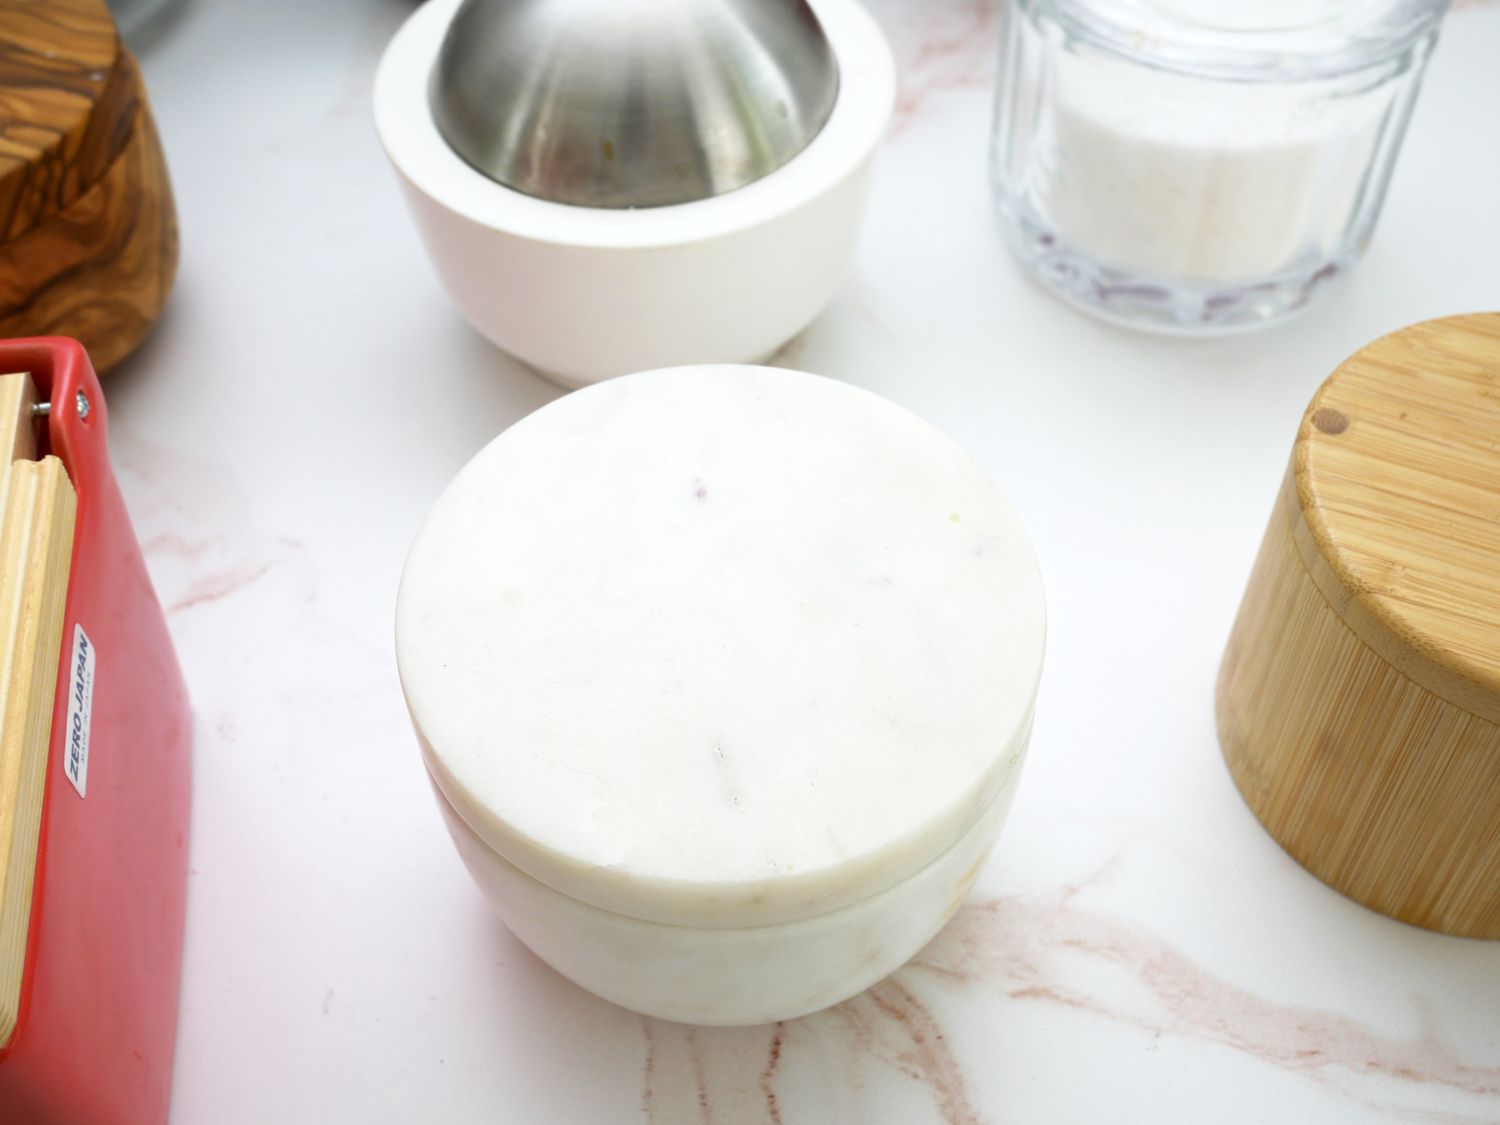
1264	41
69	97
632	103
1397	472
720	646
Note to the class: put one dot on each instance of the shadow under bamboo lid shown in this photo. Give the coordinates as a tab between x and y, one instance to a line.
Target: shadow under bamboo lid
1359	699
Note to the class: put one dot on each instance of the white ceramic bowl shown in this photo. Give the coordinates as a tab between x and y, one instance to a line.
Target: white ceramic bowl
724	677
581	293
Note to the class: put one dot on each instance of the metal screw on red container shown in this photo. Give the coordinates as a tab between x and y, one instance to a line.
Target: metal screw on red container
82	402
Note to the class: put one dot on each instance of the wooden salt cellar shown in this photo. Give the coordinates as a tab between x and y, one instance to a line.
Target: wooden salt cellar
88	232
1359	699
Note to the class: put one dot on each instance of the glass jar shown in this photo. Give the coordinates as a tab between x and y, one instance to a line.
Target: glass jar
1201	165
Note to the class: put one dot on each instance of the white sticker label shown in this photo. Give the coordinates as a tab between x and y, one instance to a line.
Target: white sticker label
80	711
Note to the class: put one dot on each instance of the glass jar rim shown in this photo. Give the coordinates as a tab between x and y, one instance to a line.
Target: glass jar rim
1361	35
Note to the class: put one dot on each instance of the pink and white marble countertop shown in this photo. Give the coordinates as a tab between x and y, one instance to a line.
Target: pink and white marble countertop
1138	949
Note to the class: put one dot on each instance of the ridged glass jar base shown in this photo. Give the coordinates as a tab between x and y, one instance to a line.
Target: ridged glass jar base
1160	304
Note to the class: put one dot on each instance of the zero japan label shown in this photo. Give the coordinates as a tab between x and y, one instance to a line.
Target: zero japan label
80	711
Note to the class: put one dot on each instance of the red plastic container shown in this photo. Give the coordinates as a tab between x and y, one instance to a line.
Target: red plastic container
98	1014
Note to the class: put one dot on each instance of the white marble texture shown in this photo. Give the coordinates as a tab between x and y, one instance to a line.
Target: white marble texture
739	977
1137	949
724	675
721	646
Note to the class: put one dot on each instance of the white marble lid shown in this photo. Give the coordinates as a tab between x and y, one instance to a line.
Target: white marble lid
720	646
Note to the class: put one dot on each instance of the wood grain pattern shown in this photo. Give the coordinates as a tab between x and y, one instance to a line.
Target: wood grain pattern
18	426
1398	477
1359	699
101	270
37	511
66	106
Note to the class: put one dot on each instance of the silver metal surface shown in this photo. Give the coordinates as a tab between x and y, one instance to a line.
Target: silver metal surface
632	103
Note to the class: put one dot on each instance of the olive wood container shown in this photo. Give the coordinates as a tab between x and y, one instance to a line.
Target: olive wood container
88	231
1359	698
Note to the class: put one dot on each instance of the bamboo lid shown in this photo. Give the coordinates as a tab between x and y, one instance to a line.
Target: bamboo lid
1397	479
67	106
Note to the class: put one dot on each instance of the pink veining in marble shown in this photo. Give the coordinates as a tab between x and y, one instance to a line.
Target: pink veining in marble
197	531
1016	942
768	1073
1024	948
700	1073
648	1072
929	1058
952	51
216	586
705	1107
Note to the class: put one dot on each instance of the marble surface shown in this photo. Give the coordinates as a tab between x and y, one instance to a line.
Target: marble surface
1137	949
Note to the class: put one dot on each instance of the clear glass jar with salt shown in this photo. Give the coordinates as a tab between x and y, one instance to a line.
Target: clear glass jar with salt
1201	165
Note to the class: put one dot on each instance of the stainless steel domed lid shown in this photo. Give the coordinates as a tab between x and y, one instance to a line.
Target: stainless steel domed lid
632	103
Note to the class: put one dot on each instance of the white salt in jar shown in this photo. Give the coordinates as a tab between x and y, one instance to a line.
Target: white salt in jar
723	677
1201	165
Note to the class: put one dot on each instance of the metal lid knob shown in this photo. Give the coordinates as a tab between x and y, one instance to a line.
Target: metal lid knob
632	103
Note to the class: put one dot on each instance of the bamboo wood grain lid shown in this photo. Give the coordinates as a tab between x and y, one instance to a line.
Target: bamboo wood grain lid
1396	474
